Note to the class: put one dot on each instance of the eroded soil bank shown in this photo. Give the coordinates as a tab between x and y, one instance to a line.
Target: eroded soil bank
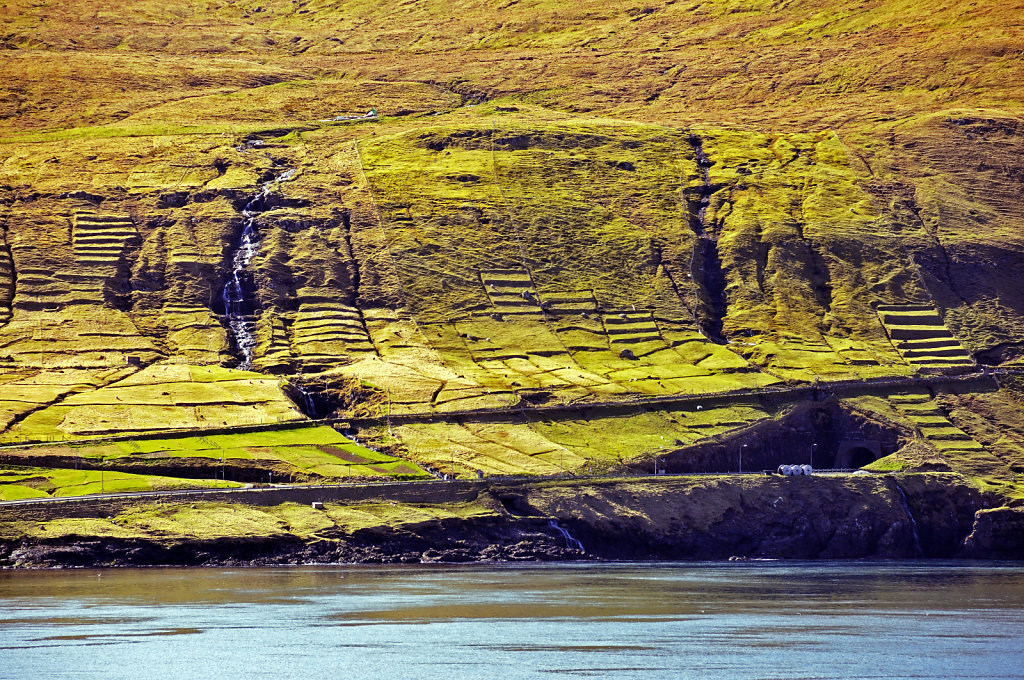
678	518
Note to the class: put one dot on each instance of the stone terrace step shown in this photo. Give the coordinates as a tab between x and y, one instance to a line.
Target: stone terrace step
631	327
100	239
918	332
928	343
565	303
906	308
509	287
912	318
922	338
936	352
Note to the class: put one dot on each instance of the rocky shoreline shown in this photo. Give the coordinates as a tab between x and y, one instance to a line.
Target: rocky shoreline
913	516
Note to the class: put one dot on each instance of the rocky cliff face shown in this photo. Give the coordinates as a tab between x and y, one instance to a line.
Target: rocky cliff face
906	517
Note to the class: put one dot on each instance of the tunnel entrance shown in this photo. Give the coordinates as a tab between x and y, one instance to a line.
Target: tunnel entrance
821	434
856	454
860	457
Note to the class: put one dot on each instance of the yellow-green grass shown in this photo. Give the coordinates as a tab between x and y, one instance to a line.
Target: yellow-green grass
161	397
756	69
569	232
320	451
29	482
546	447
519	190
90	336
212	521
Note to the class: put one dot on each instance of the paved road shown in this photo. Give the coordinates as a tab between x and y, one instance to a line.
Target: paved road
277	489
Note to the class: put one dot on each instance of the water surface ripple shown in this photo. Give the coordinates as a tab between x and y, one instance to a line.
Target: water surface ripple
748	620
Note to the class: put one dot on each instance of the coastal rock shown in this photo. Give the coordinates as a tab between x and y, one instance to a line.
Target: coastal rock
998	533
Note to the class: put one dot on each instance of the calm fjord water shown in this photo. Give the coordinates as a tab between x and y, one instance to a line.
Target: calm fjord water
748	620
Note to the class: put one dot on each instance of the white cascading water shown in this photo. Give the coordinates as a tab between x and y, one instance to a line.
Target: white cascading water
241	321
570	542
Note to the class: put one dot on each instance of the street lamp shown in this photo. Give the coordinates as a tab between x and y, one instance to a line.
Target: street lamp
741	458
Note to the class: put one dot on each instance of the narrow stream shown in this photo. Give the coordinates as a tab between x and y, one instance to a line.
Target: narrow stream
913	522
239	308
570	542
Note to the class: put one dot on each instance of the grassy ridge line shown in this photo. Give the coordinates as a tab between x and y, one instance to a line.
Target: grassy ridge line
755	60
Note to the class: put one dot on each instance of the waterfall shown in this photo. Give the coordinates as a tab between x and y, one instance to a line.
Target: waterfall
913	522
308	404
570	542
237	308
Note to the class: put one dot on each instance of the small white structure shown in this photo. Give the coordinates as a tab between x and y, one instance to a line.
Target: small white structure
795	470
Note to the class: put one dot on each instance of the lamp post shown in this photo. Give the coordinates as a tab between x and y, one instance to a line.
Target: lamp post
741	458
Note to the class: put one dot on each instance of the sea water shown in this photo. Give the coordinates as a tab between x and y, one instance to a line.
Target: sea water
734	620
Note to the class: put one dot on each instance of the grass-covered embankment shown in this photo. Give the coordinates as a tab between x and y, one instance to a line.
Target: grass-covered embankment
918	515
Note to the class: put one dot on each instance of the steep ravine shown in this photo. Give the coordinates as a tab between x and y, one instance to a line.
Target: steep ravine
239	303
670	519
706	265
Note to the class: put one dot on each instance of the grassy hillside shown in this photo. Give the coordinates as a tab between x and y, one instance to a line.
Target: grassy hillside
558	204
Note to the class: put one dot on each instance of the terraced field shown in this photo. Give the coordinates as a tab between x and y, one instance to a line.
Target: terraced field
922	338
934	426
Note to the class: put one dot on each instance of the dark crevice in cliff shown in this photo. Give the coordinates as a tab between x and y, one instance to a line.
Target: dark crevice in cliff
1001	353
706	265
821	278
8	291
355	277
910	517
